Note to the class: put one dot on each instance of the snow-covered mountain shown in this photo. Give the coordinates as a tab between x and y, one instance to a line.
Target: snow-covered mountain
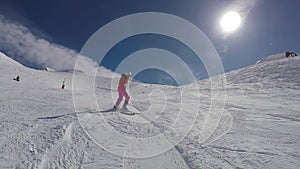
258	128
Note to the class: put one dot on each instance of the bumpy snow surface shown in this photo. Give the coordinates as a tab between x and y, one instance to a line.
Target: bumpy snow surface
178	127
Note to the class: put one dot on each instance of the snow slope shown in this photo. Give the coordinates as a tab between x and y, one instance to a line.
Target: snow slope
273	71
258	128
263	100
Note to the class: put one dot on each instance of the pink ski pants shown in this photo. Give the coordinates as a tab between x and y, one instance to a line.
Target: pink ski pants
121	94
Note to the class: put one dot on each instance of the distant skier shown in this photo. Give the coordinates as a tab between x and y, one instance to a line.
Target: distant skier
122	91
63	84
17	78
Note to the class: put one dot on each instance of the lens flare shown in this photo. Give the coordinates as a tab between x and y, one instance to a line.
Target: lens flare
230	21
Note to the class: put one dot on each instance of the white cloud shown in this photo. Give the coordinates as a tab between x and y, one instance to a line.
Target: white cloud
242	6
20	44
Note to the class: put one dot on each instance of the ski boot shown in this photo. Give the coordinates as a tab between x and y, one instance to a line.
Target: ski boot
124	107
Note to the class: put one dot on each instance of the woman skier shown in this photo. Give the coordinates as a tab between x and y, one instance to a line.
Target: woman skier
122	91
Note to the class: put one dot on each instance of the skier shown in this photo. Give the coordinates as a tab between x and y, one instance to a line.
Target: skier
17	78
122	91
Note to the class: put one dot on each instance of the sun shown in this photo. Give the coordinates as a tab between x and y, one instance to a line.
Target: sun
230	21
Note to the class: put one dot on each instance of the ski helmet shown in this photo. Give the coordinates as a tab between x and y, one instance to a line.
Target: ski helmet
128	74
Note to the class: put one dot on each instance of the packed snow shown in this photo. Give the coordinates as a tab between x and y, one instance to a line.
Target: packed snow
40	127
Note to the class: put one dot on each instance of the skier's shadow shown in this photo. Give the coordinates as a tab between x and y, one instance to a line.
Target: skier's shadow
76	113
108	110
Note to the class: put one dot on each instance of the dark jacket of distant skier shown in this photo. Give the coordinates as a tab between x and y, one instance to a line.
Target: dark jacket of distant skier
17	78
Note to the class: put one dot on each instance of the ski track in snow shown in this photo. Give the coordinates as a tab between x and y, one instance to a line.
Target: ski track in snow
258	129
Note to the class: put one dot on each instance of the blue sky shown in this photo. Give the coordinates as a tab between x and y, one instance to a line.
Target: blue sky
269	26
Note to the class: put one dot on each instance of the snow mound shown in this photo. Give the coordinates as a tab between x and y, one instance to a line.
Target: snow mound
277	57
49	69
103	72
272	57
6	62
273	71
14	67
